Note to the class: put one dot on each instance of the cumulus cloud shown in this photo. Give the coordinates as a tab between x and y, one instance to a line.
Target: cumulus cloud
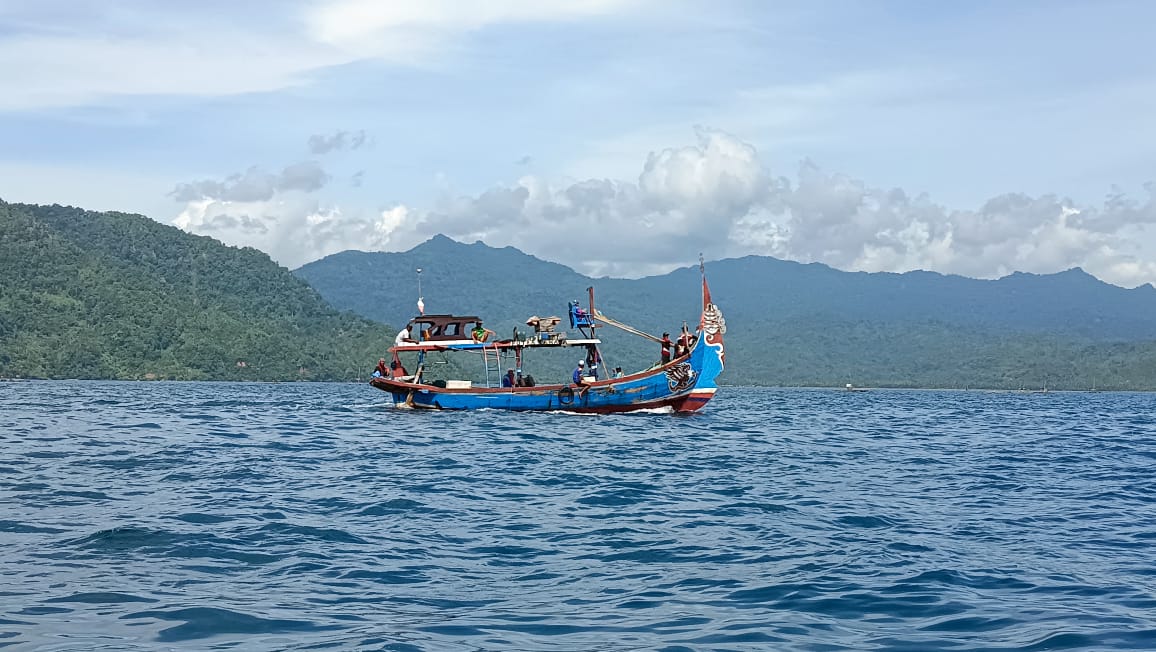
255	184
340	140
717	197
225	223
292	228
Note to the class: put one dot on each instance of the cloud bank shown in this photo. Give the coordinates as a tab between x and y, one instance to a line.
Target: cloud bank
716	196
63	54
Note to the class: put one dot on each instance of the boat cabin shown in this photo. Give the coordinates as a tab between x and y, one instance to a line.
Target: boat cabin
442	328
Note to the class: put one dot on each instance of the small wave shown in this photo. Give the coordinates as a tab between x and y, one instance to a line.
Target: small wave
281	531
620	495
18	527
126	537
206	622
101	598
395	506
867	521
403	576
202	518
732	509
970	624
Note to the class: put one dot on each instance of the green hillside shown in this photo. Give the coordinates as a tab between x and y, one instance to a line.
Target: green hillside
791	324
110	295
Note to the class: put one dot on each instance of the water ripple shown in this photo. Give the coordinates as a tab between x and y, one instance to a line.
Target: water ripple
307	516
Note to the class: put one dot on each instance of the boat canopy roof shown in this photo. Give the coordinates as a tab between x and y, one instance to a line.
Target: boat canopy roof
443	328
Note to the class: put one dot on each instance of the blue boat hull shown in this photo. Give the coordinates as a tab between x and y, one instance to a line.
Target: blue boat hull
683	385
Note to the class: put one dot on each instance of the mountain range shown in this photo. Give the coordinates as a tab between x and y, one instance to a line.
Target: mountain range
792	323
87	294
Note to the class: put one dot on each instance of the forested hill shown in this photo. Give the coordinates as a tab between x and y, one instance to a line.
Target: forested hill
795	324
110	295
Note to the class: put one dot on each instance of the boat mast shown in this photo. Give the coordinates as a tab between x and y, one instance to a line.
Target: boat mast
420	354
702	271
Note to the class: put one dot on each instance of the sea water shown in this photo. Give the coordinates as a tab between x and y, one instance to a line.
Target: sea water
157	516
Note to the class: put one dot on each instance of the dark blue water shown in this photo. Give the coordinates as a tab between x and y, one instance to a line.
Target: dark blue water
311	517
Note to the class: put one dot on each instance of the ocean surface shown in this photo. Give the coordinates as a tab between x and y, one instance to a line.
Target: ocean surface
171	516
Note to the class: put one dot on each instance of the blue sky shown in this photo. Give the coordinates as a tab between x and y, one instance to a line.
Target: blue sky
619	137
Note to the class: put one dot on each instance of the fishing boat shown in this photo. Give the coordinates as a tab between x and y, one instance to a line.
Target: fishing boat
684	383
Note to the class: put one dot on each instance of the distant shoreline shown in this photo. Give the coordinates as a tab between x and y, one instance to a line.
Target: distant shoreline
830	388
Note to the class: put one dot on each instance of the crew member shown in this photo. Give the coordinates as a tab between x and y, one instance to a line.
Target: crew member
579	373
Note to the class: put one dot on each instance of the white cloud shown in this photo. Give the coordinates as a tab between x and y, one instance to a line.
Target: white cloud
337	141
292	227
256	184
403	29
52	71
57	55
718	198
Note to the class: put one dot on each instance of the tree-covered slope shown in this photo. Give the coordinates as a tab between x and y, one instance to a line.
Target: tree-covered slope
794	324
110	295
459	278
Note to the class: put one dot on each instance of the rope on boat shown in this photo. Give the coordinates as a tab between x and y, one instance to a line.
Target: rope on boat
629	329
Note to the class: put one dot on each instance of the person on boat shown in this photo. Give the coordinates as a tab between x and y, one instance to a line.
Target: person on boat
381	369
396	369
508	379
666	344
579	317
618	372
402	337
481	333
579	374
593	359
684	338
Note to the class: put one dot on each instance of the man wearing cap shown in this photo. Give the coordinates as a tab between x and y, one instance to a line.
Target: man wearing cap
481	333
579	373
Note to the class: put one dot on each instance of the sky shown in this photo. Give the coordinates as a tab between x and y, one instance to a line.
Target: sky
619	137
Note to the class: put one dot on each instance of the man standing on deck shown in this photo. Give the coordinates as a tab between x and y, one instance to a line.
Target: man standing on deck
666	344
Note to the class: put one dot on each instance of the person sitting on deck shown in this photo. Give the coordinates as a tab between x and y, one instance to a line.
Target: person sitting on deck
381	369
618	372
396	369
508	379
666	344
580	373
481	333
